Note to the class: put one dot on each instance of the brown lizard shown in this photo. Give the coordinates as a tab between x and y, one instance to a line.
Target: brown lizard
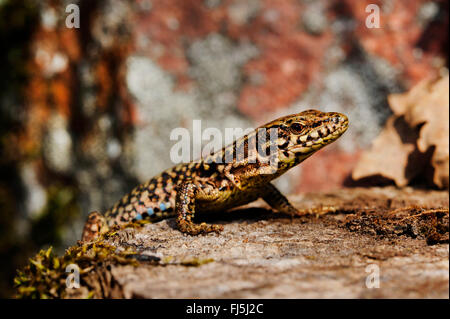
236	175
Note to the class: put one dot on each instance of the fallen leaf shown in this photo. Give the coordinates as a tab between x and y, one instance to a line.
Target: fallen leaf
389	154
419	127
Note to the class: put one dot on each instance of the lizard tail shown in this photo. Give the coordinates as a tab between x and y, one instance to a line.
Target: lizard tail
95	225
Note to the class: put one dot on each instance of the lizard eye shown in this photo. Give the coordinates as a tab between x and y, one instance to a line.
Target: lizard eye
297	127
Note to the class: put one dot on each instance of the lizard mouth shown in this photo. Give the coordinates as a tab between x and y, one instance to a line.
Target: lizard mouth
324	133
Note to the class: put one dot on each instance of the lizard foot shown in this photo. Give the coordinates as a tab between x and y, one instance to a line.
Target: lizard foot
197	229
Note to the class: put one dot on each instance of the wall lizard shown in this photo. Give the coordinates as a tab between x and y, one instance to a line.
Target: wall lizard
216	183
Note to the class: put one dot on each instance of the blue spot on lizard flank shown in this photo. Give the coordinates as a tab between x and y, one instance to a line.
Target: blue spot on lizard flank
162	206
138	217
150	211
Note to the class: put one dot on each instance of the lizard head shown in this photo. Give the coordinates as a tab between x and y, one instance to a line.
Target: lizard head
300	135
262	155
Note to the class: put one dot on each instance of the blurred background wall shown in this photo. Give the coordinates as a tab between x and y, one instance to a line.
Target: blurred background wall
86	113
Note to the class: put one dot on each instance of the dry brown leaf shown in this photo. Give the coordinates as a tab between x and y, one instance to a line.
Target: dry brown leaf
399	153
428	103
433	110
389	154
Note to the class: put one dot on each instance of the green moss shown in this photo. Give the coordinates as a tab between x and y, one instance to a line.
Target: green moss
45	275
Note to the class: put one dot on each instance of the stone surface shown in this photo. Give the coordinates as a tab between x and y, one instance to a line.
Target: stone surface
329	252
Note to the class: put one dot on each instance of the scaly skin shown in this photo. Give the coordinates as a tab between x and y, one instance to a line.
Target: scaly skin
231	177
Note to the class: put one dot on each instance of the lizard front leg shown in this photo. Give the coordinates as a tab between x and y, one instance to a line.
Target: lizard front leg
187	195
278	201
